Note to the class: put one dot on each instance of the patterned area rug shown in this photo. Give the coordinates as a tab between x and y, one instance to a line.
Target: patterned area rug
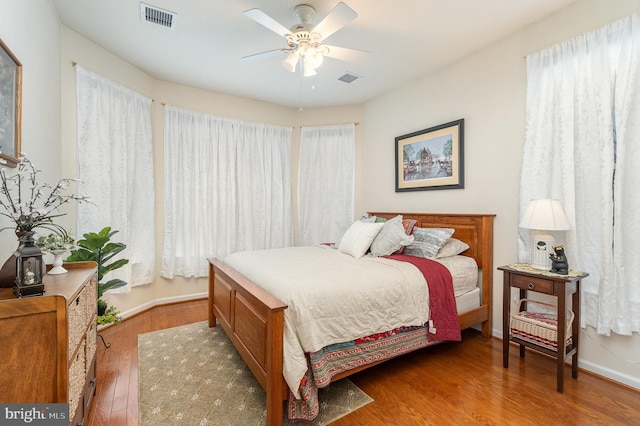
192	375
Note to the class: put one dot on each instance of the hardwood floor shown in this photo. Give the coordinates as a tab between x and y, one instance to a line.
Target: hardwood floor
457	383
116	399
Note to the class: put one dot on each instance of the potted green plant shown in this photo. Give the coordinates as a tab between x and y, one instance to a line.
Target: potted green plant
102	307
99	248
110	315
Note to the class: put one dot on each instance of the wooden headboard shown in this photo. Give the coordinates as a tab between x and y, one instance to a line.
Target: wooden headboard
474	229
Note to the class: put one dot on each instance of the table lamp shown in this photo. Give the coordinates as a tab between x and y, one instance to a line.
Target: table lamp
541	216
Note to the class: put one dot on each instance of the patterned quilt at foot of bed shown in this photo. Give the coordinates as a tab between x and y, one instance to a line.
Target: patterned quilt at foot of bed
341	357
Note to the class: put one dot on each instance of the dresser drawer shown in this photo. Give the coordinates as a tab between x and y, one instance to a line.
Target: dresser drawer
539	285
77	378
77	318
90	294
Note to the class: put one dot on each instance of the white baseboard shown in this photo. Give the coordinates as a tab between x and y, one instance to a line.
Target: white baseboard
164	301
610	374
599	370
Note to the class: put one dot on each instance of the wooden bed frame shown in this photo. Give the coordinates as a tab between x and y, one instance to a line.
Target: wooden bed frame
253	319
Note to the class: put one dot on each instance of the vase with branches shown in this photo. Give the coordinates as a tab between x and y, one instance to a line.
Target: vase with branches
31	205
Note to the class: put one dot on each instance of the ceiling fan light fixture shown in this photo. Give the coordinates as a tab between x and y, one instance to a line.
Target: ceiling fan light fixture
308	70
304	39
290	62
313	58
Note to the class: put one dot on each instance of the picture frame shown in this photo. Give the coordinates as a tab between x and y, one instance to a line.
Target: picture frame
10	106
431	159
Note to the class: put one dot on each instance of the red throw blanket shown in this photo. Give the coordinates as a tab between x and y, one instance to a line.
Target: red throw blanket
443	322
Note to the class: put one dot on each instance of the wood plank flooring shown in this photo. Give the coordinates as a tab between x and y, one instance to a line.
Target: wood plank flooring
461	383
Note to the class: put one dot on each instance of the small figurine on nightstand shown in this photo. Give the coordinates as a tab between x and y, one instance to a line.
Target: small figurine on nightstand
559	263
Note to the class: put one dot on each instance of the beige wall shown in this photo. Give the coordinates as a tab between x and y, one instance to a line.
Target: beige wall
30	29
487	89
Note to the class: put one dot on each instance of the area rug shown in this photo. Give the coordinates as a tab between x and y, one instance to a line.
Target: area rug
192	375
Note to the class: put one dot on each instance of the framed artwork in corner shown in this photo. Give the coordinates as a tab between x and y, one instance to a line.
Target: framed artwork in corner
10	106
432	158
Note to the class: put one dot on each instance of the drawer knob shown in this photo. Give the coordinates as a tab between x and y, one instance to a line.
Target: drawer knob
531	286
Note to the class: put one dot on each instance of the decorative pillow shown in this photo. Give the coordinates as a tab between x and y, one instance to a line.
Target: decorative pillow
453	247
358	238
368	219
391	237
428	241
408	225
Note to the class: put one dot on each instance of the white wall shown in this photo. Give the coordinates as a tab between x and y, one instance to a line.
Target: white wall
487	89
31	30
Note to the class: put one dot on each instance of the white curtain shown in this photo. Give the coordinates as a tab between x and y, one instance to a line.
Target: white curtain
326	181
115	168
582	147
227	188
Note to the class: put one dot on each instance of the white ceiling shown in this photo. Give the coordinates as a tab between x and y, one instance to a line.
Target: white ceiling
405	40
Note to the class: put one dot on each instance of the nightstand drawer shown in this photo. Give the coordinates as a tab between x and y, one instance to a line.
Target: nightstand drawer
539	285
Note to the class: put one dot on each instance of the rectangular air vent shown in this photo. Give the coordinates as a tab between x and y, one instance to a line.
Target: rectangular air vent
157	16
349	77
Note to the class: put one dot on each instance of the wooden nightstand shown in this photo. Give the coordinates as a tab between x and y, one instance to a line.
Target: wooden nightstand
525	278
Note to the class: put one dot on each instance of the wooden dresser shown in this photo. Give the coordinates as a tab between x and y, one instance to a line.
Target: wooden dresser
48	342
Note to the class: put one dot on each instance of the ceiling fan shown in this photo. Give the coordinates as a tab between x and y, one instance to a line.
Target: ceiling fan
305	40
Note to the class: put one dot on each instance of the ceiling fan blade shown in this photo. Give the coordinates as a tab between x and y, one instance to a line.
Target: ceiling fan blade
339	16
264	55
344	53
263	19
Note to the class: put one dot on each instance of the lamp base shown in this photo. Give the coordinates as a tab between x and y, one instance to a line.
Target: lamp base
542	246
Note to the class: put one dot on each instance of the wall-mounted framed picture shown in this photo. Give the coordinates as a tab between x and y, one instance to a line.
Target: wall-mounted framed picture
10	106
432	158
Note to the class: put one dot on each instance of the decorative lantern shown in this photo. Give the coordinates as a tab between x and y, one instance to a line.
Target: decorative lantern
30	268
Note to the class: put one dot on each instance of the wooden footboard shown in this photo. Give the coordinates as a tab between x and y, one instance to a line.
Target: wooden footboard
254	319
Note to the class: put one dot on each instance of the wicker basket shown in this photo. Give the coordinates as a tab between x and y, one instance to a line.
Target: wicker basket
538	328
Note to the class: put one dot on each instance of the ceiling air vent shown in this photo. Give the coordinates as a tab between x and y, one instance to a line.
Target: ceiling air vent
157	16
349	77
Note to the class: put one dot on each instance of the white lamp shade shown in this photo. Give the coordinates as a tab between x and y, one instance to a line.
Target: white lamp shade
290	62
313	58
309	71
543	215
546	215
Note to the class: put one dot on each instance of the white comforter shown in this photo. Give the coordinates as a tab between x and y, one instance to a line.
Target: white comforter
333	297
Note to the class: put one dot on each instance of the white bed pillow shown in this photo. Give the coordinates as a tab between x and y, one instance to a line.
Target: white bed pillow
453	247
357	240
391	237
428	241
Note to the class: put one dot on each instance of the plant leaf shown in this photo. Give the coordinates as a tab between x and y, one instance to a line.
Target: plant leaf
111	284
115	265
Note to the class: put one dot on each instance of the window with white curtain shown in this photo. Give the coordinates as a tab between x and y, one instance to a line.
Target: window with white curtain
227	188
326	182
115	168
582	146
